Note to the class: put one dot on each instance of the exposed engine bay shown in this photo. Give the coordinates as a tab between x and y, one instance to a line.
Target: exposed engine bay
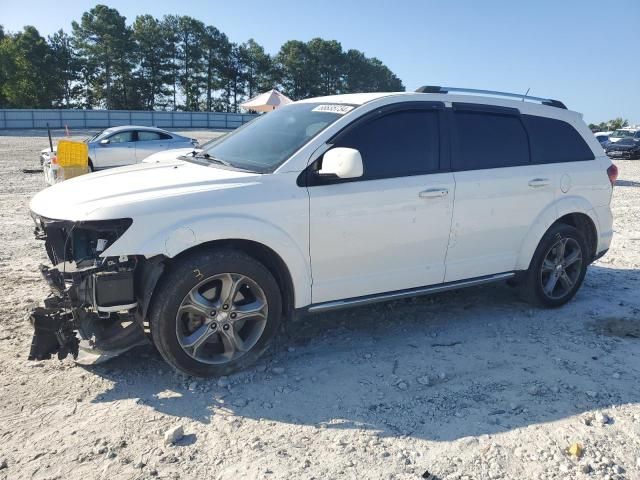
93	303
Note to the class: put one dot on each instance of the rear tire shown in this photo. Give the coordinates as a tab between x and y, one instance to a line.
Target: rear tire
215	312
558	267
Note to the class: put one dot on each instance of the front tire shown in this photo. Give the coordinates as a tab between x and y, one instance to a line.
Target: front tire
558	267
215	312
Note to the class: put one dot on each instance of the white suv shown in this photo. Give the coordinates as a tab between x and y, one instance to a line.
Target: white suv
326	203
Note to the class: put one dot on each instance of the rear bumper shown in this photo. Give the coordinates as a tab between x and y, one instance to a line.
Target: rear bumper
623	155
604	226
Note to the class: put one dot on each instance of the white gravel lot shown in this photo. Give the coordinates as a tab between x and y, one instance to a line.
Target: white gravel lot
464	385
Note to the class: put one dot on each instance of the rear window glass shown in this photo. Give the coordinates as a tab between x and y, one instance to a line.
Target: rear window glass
555	141
489	140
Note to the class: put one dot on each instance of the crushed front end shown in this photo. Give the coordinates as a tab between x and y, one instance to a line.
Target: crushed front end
92	306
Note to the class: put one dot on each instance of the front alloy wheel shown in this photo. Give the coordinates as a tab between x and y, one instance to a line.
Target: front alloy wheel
215	312
221	318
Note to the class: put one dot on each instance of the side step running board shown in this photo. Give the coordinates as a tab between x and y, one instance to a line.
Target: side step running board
413	292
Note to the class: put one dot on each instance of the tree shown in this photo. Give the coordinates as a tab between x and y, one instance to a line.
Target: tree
618	123
326	61
26	64
103	43
176	62
216	47
231	77
257	68
153	55
65	69
320	67
294	69
364	74
190	35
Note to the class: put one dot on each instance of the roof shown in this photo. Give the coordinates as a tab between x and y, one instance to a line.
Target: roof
524	107
139	127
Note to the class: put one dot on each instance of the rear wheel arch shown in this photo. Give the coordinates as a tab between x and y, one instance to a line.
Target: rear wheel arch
586	225
574	211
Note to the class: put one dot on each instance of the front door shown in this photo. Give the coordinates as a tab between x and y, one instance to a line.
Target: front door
120	150
389	229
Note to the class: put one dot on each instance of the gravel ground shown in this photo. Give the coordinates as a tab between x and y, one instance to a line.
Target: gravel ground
464	385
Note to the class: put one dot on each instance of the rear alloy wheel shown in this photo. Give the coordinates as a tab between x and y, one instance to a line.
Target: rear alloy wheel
215	313
561	268
558	267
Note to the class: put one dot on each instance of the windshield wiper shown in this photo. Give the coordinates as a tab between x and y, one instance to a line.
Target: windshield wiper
206	156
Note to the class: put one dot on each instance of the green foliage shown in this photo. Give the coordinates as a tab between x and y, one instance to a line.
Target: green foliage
22	56
609	126
172	63
103	42
321	67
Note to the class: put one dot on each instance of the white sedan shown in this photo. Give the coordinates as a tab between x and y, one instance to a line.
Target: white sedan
125	145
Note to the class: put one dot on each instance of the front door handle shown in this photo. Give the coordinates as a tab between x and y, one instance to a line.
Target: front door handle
539	182
434	193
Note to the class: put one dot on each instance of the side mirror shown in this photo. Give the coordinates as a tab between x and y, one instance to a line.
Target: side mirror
342	162
105	141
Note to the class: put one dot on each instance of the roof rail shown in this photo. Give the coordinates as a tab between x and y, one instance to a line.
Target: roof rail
519	96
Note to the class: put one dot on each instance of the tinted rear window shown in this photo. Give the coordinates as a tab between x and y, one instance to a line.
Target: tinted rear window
555	141
489	140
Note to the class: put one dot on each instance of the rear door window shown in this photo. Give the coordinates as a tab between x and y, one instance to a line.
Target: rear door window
122	137
488	140
555	141
397	144
146	135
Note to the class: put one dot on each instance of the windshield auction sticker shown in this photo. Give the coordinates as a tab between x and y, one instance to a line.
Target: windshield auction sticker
339	109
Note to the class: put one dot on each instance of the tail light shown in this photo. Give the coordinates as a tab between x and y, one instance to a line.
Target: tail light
612	172
54	159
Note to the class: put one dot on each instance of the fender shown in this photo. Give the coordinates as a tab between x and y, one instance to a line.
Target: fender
191	232
555	210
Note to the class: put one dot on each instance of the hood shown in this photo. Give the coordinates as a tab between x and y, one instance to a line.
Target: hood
117	192
168	155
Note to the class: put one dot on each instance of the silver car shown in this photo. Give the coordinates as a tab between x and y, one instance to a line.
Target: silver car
118	146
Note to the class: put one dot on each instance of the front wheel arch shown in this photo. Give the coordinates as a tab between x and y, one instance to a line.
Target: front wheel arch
258	251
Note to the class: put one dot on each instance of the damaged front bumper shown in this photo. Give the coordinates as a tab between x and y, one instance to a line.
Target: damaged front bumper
93	306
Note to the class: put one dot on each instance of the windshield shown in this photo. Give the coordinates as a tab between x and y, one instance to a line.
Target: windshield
264	143
91	139
622	134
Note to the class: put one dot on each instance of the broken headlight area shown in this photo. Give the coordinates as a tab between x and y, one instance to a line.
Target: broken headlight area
92	303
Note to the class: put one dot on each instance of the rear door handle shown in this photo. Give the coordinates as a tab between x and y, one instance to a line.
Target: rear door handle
539	182
434	193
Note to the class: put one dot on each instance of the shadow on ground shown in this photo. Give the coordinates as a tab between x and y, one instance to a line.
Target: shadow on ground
471	362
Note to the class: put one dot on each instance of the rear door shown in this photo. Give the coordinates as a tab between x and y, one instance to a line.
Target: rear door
499	192
389	229
120	150
150	142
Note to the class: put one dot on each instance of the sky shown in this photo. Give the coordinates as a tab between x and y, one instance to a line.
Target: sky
585	53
